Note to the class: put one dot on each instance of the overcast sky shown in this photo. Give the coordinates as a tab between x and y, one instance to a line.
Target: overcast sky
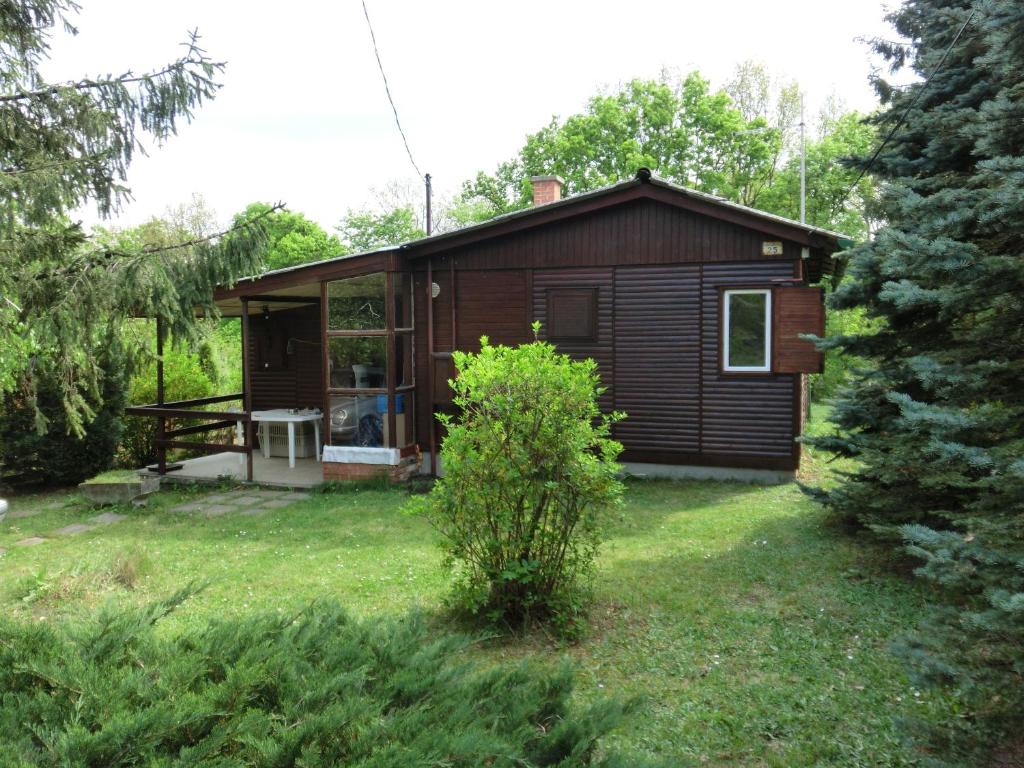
303	118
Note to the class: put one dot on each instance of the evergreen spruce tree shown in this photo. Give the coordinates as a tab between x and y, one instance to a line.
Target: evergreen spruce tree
66	145
936	422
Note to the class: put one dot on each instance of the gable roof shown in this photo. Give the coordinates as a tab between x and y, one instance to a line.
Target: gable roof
644	186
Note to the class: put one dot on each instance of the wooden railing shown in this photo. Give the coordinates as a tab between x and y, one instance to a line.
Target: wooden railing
188	409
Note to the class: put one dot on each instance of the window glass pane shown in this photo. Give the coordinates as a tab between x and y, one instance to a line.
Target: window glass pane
403	300
403	359
357	361
403	420
363	420
356	304
747	330
356	420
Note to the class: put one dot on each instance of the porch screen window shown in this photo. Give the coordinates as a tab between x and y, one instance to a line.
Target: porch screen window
746	330
369	360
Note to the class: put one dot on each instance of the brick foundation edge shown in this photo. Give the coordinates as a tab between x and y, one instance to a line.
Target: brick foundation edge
408	467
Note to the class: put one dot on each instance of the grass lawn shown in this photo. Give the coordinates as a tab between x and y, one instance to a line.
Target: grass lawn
754	631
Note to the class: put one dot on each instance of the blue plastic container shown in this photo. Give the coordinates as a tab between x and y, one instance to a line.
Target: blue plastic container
382	403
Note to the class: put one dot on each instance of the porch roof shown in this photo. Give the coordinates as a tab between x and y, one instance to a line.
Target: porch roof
302	281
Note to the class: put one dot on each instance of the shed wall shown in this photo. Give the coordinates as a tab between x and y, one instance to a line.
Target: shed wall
658	273
297	384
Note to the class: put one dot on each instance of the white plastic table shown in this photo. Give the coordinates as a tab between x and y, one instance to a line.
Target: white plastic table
283	416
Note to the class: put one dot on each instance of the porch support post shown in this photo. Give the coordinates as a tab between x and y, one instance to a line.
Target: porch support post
430	366
247	389
161	425
389	311
325	363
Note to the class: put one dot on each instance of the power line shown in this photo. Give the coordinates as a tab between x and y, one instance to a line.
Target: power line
387	90
913	103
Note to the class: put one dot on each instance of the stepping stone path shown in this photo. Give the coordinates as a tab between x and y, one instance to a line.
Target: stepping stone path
73	529
107	518
14	514
244	501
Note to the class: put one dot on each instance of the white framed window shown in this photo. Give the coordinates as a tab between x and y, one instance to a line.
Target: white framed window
747	330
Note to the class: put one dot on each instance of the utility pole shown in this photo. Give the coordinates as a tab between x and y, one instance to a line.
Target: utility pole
427	180
803	164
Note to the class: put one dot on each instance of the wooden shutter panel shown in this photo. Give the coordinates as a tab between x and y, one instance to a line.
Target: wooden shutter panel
797	310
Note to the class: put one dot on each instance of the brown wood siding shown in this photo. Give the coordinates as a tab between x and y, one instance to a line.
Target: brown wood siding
743	415
638	232
493	304
602	348
657	357
658	271
299	384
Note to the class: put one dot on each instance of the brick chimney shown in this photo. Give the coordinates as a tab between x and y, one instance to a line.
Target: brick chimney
546	189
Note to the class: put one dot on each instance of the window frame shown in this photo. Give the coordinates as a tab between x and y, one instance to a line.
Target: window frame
592	294
759	370
391	333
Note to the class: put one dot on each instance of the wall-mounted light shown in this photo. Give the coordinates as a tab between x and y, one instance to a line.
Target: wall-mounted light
435	290
266	312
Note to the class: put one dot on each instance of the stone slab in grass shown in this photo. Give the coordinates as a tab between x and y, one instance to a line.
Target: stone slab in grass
248	498
118	491
14	514
296	495
73	530
31	541
276	503
220	498
216	510
192	506
252	511
107	518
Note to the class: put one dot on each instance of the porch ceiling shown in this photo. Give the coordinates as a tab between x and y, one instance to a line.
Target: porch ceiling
274	300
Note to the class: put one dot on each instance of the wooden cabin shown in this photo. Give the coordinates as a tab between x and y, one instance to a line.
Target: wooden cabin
692	307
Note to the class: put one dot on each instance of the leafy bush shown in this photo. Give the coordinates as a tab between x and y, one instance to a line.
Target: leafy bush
312	689
840	365
529	471
55	456
186	376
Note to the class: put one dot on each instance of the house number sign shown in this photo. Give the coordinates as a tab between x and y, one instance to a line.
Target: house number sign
771	248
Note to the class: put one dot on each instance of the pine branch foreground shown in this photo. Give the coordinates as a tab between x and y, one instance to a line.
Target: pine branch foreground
314	688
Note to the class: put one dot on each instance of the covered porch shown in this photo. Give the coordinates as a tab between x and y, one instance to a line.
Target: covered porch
230	466
327	360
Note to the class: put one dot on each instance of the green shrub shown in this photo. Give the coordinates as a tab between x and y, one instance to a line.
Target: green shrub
57	457
839	365
186	376
529	471
311	689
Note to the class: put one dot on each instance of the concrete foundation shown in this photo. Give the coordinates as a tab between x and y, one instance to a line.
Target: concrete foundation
679	472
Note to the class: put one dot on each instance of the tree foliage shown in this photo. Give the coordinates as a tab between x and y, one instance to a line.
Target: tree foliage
292	239
739	143
366	230
28	457
65	145
529	471
936	419
314	688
